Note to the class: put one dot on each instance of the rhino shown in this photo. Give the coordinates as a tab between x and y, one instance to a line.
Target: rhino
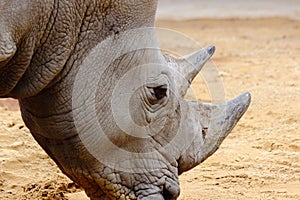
103	101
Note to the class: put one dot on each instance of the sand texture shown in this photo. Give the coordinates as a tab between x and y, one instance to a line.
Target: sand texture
260	159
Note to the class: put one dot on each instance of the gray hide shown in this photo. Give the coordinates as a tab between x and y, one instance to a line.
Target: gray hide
101	98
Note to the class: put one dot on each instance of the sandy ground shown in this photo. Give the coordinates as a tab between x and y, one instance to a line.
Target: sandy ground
260	159
183	9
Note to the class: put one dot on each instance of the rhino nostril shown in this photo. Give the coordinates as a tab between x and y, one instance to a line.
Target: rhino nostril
167	194
204	131
171	190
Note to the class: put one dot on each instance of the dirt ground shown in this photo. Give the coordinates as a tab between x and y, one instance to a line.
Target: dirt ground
260	159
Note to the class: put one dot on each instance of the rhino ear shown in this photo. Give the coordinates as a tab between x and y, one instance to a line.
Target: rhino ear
7	48
187	67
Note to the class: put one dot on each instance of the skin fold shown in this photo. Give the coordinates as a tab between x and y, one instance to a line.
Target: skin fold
73	64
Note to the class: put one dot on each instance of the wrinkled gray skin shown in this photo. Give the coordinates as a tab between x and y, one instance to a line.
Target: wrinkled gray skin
43	43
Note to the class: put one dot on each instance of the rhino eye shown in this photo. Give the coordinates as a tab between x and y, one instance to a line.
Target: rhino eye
157	93
160	92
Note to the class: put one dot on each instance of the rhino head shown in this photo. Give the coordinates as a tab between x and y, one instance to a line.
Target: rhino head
104	101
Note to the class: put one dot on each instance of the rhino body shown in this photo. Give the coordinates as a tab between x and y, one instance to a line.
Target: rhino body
103	101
